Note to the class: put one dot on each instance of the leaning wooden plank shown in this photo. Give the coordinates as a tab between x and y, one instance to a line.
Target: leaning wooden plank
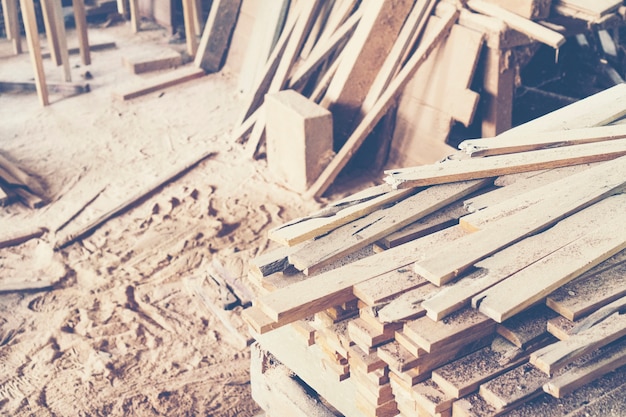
216	35
524	142
603	361
556	356
62	38
531	29
32	37
536	281
574	194
136	198
382	105
461	170
358	234
334	216
160	82
335	287
49	22
190	18
13	239
589	292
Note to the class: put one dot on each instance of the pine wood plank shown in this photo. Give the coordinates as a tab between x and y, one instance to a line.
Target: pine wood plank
590	291
48	10
575	193
334	287
216	35
431	397
558	355
336	214
531	29
62	39
406	306
153	60
617	306
387	286
535	282
543	140
190	18
159	82
362	232
271	262
467	169
32	37
382	105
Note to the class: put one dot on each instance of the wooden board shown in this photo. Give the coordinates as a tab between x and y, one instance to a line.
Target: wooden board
536	281
474	168
387	286
211	51
527	329
441	267
505	390
160	82
529	9
81	27
406	306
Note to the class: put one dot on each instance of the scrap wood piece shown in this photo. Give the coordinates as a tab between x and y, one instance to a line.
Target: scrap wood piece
531	29
602	361
244	295
17	238
574	194
381	107
560	354
589	292
493	166
335	215
524	142
169	79
358	234
153	61
335	287
535	282
386	286
271	262
529	9
406	306
138	197
216	34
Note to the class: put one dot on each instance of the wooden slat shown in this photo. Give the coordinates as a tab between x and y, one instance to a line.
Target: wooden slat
216	35
524	142
334	287
556	356
32	37
48	10
474	168
362	232
577	192
531	29
536	281
378	111
169	79
529	9
406	306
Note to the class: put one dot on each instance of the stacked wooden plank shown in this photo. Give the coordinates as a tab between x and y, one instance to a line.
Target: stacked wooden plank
529	287
16	184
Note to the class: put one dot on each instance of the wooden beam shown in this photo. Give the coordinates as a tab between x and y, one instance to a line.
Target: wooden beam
474	168
32	37
535	282
577	192
160	82
382	105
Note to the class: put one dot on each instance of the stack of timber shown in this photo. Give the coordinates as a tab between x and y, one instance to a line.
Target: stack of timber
469	287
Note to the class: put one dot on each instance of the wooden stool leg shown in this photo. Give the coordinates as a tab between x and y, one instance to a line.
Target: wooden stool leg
11	24
34	49
60	27
81	27
49	21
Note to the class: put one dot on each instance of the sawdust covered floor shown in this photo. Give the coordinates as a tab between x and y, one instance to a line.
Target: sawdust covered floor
124	331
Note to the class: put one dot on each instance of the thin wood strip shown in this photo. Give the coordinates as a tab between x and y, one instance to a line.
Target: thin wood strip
32	37
474	168
576	192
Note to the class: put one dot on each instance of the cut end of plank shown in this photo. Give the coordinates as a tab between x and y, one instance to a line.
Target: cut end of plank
258	320
436	279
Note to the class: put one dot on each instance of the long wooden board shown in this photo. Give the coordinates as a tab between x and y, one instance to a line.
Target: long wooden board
216	35
474	168
536	281
577	192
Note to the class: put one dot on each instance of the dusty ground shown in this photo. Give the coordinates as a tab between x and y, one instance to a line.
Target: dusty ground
125	331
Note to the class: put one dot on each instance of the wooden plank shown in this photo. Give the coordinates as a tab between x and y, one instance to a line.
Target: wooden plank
335	215
474	168
589	292
387	286
81	28
160	82
617	306
334	287
531	29
17	238
535	282
443	266
152	60
529	9
603	361
32	37
406	306
505	391
363	55
216	35
271	262
527	329
134	199
362	232
12	174
378	111
133	11
524	142
498	90
558	355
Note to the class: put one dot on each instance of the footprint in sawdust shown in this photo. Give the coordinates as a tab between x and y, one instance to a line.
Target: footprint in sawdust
50	302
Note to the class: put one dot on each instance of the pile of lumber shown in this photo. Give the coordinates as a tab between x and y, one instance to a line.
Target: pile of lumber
17	185
466	287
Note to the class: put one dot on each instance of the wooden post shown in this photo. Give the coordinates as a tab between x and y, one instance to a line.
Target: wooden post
134	15
11	24
190	16
60	30
48	10
81	27
32	37
499	82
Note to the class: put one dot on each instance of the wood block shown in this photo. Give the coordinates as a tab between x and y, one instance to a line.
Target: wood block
530	9
560	327
366	336
299	138
153	61
216	35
